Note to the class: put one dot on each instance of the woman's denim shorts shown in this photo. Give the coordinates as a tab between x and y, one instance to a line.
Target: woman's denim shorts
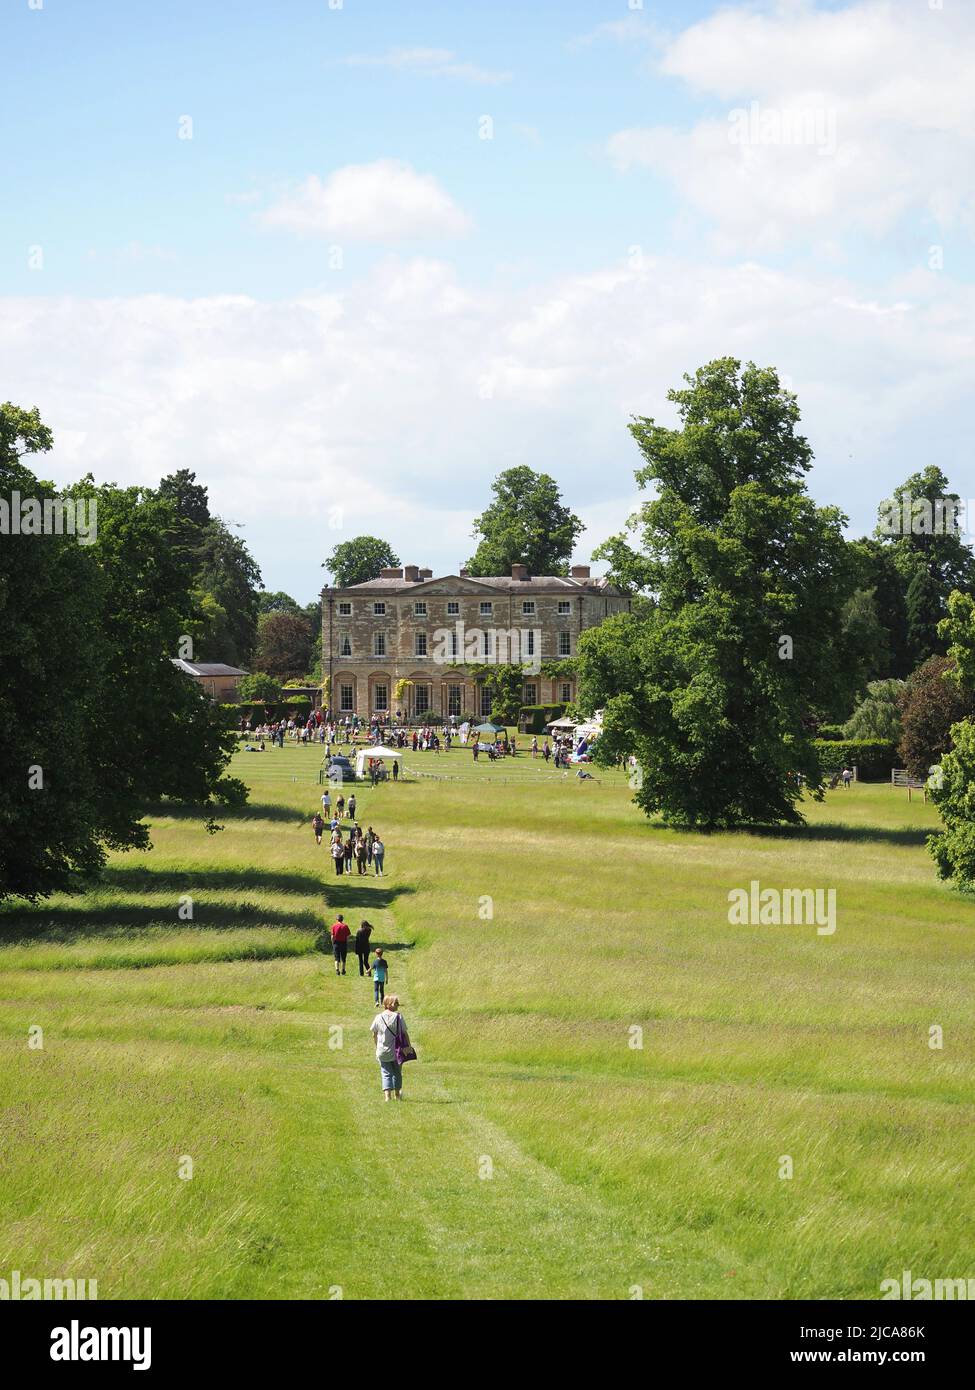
392	1075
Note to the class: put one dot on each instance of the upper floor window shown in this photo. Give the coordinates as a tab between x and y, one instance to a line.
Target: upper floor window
528	608
379	609
453	609
564	606
420	608
421	644
487	609
565	644
345	609
345	645
379	644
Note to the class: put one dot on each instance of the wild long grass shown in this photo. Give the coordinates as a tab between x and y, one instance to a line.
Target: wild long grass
538	929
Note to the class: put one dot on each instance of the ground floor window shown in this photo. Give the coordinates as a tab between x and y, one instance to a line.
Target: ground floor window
422	699
380	698
485	700
531	693
346	698
453	699
565	692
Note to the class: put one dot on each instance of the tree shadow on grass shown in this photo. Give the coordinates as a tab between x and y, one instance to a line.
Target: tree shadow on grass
251	810
137	878
66	924
90	918
841	834
340	895
844	834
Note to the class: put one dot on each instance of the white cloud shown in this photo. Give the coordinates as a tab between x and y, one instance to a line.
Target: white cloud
386	201
398	397
889	81
433	62
635	28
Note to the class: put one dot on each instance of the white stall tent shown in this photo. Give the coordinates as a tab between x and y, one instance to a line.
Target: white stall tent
364	754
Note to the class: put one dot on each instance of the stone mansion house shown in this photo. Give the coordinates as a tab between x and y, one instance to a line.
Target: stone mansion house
407	625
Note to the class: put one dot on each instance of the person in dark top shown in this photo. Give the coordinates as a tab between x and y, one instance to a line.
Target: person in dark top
318	825
349	851
362	947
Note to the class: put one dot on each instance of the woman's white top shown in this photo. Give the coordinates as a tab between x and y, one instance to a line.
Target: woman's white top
384	1030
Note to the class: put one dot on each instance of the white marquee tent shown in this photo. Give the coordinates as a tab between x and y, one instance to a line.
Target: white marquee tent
364	754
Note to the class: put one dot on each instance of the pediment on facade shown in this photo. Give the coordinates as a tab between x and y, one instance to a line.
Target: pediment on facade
450	586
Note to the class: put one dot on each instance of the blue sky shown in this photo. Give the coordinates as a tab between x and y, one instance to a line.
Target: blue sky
347	310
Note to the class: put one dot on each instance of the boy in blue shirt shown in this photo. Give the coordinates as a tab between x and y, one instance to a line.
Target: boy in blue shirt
380	974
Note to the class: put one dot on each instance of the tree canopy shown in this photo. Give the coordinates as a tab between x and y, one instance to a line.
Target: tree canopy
359	560
526	524
89	630
711	688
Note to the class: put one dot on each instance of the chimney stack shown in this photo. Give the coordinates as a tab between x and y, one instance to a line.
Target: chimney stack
519	571
426	574
463	573
390	574
579	572
411	573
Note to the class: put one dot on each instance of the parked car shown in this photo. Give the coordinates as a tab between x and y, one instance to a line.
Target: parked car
340	769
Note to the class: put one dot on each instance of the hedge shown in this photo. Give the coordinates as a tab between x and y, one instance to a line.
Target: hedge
534	717
874	757
833	733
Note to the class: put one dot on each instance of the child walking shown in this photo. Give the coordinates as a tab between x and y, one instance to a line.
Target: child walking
380	974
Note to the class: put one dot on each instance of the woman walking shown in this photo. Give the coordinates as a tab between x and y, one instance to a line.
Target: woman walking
338	852
362	946
378	855
389	1030
318	825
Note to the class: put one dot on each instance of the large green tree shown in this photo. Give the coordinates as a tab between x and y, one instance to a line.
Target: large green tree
712	688
225	580
95	720
284	646
954	791
359	560
526	524
917	525
878	714
228	572
52	650
931	703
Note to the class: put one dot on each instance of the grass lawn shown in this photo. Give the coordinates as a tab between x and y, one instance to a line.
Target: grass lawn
533	924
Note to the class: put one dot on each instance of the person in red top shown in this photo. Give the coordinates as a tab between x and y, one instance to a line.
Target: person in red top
340	943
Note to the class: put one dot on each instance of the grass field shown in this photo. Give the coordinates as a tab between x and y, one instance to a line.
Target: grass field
538	1152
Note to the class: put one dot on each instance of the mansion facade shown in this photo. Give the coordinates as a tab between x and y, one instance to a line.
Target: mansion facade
440	633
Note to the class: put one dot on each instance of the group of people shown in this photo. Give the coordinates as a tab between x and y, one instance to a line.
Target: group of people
360	849
388	1027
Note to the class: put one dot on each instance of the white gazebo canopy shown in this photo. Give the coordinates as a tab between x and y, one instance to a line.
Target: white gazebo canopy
364	754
